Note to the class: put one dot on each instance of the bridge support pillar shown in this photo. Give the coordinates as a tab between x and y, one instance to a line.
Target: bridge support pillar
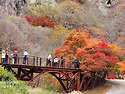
31	73
19	73
78	81
67	84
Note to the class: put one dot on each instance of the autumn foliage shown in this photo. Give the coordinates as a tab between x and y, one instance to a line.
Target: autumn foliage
94	54
41	21
111	76
122	66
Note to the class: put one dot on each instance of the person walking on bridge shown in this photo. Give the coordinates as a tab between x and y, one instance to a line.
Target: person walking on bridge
48	61
3	56
62	61
15	55
25	57
76	63
55	62
6	56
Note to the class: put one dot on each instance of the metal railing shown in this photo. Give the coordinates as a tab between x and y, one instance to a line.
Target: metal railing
38	61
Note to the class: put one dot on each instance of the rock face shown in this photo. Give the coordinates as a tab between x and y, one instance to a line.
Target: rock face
14	6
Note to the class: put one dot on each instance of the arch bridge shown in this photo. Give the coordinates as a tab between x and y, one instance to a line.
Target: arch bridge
69	78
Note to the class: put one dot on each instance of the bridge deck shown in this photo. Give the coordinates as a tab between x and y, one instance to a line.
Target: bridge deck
38	67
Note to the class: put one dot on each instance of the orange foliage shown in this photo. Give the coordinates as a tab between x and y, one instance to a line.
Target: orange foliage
93	55
122	66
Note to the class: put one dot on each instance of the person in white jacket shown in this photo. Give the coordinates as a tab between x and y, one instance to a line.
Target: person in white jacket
55	62
3	56
25	57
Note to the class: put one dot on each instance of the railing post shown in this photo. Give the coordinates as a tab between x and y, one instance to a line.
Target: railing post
58	64
40	61
64	64
67	64
27	60
1	60
37	61
34	60
70	65
9	60
18	60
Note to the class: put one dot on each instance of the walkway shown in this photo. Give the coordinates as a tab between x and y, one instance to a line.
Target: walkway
118	87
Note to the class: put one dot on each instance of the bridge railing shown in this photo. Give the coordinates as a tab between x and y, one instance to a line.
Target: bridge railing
30	60
38	61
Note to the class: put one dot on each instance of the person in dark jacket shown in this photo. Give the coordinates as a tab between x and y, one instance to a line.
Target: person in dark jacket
6	56
76	63
48	61
62	61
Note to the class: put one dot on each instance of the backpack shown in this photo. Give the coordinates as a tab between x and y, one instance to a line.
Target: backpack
76	60
12	55
15	54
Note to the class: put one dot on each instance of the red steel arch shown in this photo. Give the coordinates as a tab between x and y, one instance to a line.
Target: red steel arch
70	78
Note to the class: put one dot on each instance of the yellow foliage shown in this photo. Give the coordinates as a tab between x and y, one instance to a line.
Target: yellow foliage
122	76
115	48
58	32
13	17
46	10
70	6
122	67
99	25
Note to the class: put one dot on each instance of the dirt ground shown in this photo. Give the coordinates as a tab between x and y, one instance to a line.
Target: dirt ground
113	86
118	87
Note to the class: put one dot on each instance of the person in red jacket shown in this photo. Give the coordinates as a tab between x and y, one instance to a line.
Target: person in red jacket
15	55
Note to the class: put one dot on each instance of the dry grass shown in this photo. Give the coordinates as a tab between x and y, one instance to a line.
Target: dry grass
99	90
35	91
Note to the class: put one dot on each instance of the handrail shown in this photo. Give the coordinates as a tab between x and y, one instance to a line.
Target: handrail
38	61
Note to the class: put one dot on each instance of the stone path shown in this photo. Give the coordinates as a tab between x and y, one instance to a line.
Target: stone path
118	87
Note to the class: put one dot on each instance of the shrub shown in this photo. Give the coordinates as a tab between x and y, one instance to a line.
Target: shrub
9	84
41	21
5	75
13	87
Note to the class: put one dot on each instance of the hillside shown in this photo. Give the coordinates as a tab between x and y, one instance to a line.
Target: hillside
17	33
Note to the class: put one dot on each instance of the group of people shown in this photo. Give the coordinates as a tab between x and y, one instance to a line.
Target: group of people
7	58
54	62
4	56
50	61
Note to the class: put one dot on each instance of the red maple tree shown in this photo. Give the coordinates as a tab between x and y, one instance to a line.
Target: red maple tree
94	54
